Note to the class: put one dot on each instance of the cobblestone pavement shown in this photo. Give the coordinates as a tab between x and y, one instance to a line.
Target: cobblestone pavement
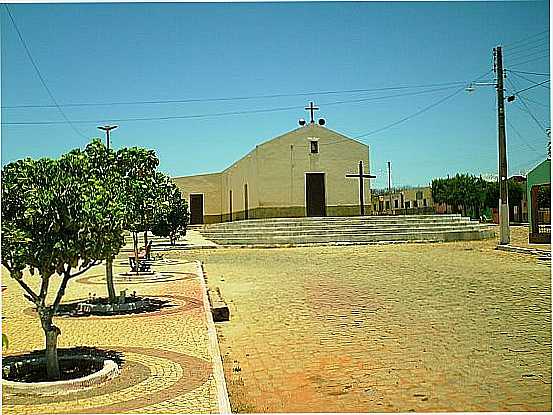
168	365
384	328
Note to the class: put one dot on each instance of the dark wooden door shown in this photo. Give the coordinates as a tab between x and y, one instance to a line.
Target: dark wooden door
196	209
315	194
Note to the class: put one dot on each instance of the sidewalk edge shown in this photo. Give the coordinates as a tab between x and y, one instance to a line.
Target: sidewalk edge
218	373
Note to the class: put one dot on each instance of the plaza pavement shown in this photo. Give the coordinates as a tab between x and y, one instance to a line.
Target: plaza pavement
170	363
448	327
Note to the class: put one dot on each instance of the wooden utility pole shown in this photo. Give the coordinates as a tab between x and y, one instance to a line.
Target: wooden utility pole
390	184
503	188
361	176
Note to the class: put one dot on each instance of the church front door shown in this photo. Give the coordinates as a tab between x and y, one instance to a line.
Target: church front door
315	194
196	209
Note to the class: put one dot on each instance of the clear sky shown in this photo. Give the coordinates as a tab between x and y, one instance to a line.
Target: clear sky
113	53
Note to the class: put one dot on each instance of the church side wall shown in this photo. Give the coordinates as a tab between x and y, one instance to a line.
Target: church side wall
237	178
210	186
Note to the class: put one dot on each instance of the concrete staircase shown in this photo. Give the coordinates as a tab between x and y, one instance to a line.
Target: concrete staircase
345	230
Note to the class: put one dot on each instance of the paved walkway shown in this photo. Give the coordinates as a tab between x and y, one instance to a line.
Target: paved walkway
192	240
170	364
384	328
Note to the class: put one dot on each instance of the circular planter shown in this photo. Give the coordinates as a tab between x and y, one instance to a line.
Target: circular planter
108	370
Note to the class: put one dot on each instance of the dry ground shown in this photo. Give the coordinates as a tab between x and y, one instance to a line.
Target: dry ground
406	327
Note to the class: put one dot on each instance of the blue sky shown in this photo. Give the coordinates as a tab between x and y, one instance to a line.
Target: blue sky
110	53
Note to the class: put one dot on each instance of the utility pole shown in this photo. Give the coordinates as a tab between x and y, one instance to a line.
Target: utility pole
503	188
107	129
390	184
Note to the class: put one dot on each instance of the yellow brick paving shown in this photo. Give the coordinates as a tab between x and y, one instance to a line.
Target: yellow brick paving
184	333
407	327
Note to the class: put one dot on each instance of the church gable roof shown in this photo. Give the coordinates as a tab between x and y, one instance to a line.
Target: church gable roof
312	131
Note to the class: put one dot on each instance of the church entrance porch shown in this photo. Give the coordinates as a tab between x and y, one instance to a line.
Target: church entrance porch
315	200
196	209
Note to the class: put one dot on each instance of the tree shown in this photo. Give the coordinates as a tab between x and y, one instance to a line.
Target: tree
138	166
57	219
462	190
103	167
171	222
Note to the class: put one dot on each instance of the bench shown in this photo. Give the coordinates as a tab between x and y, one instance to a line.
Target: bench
144	263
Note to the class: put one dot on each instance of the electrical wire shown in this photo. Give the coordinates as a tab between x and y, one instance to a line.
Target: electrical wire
529	73
522	41
240	98
522	140
533	86
516	59
528	61
409	116
208	115
530	80
29	55
541	43
541	127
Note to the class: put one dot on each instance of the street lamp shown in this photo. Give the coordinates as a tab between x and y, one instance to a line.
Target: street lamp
107	129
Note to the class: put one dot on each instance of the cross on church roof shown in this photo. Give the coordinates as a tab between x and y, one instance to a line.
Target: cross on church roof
312	110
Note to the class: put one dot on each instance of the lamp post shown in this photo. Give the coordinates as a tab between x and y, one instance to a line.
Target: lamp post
107	129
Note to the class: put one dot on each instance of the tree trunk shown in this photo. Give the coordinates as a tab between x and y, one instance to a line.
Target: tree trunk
146	243
51	333
109	280
135	242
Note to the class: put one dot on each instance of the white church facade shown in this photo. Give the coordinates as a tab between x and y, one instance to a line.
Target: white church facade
300	173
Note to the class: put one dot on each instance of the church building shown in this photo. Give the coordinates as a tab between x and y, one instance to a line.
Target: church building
300	173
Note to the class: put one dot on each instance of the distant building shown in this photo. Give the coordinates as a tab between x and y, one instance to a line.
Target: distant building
538	187
417	200
300	173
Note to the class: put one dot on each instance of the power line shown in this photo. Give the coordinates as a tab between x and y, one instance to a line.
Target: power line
528	61
523	40
412	115
240	98
409	116
546	51
526	89
530	80
541	43
529	73
207	115
521	138
39	74
542	128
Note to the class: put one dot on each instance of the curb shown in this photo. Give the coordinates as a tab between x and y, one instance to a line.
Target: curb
218	373
521	250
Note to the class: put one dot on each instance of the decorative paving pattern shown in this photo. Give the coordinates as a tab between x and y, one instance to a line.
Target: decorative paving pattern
156	278
169	374
168	361
179	304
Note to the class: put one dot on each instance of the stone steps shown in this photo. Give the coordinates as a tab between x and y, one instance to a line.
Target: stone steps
328	230
255	232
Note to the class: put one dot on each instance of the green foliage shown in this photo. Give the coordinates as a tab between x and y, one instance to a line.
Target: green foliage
462	190
57	216
473	193
171	222
5	343
137	167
